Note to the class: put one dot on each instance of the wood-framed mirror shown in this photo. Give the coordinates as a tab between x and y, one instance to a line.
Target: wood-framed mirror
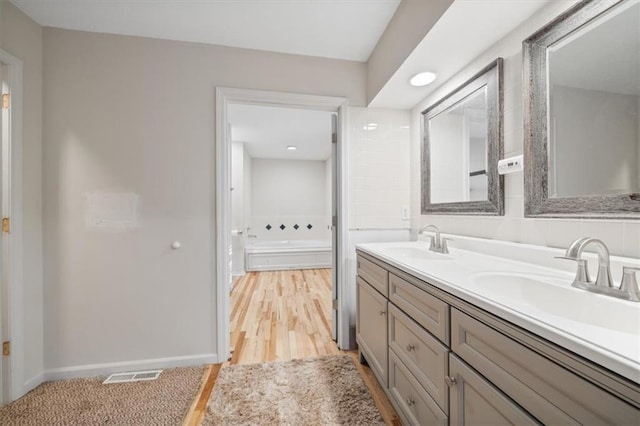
462	143
582	113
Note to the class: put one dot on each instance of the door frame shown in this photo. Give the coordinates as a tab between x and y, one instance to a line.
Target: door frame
14	285
222	230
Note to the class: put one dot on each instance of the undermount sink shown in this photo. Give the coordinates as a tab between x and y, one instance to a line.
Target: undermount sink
417	253
555	296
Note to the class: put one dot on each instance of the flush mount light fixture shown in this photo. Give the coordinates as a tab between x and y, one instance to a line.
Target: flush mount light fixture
292	148
370	126
422	79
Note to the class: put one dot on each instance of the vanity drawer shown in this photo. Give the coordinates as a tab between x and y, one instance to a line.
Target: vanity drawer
474	401
415	406
375	275
427	310
548	391
421	353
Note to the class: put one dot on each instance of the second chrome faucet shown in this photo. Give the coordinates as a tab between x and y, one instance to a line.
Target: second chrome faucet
603	284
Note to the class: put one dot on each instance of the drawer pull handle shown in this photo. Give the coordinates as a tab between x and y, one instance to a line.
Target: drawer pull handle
410	401
411	347
450	381
382	312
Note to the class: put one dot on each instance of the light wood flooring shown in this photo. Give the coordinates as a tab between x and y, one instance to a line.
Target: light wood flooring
282	315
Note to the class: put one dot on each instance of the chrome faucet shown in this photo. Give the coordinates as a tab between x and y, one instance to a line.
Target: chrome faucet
438	244
603	284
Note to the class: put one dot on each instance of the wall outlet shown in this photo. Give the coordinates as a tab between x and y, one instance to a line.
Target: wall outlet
405	213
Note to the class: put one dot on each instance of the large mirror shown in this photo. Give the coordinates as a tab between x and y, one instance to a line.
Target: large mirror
463	141
582	105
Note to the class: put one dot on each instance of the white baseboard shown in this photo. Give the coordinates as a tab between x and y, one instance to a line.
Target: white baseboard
92	370
32	383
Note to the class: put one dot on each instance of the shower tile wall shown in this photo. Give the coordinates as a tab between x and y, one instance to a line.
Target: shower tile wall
289	200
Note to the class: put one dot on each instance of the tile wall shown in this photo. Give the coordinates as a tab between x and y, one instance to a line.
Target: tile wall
378	168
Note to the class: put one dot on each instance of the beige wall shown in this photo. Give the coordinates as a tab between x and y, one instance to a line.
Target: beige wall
134	115
622	237
409	25
22	37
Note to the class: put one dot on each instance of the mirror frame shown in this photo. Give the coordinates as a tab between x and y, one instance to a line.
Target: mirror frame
536	178
492	77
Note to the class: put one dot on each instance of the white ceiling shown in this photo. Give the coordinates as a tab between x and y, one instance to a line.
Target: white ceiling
342	29
267	131
466	29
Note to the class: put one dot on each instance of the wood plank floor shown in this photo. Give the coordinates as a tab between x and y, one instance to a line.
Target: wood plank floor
282	315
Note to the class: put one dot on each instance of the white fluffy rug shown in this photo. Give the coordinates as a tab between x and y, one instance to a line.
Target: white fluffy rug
317	391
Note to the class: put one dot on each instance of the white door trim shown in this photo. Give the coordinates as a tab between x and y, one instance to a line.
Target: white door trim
16	378
222	231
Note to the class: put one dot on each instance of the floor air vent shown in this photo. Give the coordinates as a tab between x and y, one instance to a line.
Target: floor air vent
134	376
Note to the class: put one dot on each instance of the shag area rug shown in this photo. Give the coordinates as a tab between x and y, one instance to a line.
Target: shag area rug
164	401
317	391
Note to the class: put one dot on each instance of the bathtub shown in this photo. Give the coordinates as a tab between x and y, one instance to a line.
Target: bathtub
267	255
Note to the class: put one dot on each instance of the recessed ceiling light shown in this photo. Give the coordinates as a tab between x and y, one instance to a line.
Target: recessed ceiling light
422	79
292	148
370	126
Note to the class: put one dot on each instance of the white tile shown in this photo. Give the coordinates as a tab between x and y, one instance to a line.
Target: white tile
631	237
560	232
610	232
533	231
509	230
514	185
513	207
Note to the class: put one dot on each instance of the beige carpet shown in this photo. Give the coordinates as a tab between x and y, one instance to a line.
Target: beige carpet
88	402
316	391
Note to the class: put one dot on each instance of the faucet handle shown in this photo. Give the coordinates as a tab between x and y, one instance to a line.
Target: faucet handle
582	273
629	283
445	249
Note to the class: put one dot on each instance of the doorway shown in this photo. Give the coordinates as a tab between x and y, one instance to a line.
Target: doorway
282	238
336	107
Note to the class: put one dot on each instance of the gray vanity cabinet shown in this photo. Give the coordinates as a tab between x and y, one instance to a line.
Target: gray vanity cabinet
547	390
371	329
442	360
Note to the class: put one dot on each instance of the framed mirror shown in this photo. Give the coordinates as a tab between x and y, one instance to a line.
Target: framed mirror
582	113
463	141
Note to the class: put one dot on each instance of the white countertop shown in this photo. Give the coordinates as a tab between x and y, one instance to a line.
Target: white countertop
600	328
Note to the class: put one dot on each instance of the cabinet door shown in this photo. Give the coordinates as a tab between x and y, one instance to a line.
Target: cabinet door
474	401
371	329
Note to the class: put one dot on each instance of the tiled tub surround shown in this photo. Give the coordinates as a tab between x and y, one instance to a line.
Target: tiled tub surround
600	329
